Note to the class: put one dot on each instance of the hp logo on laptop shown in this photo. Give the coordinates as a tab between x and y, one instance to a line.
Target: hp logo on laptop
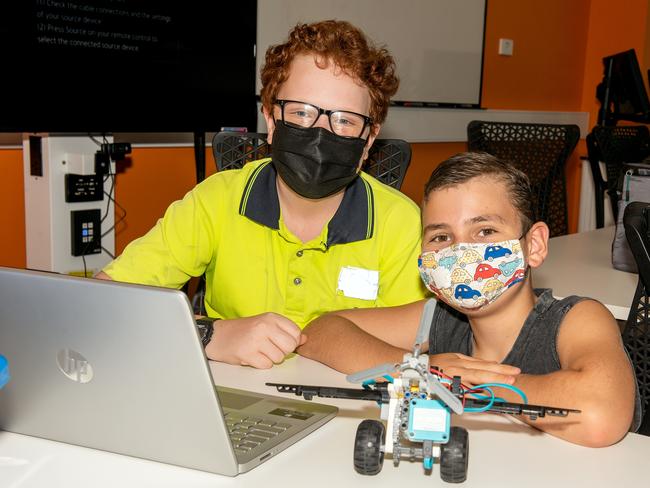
74	366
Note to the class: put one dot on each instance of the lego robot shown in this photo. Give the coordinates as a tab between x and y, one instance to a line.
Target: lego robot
416	406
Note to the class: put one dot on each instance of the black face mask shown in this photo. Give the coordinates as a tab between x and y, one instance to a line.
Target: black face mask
315	163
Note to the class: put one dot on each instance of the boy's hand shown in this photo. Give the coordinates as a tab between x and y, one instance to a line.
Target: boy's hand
473	371
259	341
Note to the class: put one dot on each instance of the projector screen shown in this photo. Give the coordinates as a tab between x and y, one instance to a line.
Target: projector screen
437	44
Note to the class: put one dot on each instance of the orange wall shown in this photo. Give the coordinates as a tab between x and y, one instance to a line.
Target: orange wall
557	63
148	183
424	158
612	29
545	71
558	47
12	209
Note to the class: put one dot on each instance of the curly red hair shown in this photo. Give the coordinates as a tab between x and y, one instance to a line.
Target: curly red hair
347	47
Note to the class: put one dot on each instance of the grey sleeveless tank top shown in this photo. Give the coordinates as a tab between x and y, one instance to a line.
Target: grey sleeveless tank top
534	350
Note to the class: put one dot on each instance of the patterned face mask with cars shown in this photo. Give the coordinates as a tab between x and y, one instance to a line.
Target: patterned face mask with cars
471	275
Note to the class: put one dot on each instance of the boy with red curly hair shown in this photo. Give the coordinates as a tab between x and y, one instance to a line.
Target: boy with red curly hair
288	238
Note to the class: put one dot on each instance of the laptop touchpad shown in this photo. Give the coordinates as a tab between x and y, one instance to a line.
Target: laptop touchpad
235	401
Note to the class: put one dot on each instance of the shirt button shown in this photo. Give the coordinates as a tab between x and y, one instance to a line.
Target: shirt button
297	281
299	253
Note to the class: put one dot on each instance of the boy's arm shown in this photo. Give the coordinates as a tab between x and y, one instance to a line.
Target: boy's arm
395	326
596	378
337	342
354	340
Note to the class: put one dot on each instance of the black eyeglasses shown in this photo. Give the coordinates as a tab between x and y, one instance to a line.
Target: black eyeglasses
305	115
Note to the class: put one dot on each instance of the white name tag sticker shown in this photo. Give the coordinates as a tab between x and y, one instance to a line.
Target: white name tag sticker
358	283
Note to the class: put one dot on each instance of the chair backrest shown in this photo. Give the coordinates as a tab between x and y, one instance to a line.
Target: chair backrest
388	159
234	149
636	335
619	145
541	151
616	146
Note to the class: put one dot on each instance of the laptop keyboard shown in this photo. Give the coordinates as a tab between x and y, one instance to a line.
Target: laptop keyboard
247	432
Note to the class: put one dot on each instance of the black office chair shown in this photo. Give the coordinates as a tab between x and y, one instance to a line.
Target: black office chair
636	335
615	146
541	151
234	149
388	159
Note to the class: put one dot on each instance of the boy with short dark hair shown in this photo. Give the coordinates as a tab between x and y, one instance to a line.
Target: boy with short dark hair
480	242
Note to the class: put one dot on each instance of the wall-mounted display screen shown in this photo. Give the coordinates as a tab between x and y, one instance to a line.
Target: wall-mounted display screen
127	66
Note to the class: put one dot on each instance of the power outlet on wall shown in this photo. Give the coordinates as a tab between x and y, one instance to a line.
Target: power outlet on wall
506	46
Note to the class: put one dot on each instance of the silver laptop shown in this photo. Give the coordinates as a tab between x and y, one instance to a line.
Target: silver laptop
120	368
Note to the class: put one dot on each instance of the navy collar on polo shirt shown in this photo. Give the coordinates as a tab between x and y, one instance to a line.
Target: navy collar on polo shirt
353	221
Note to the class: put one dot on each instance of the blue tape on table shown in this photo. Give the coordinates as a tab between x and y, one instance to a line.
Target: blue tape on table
4	371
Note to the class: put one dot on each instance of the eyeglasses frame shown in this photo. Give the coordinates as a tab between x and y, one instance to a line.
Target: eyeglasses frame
367	121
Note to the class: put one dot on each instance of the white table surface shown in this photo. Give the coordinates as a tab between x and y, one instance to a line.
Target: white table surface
503	453
581	264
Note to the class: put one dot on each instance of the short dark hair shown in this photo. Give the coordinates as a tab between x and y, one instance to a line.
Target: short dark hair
463	167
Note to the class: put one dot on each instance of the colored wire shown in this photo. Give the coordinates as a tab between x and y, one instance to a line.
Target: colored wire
486	407
486	386
492	398
368	383
440	373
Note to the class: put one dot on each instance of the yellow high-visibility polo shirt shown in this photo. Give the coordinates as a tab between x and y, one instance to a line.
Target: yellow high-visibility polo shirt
230	227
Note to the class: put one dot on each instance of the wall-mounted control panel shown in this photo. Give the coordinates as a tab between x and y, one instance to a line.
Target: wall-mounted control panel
83	188
86	232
